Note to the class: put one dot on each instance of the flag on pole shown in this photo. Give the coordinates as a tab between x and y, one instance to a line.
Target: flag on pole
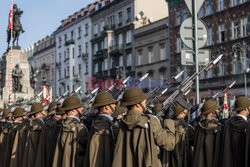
10	19
225	108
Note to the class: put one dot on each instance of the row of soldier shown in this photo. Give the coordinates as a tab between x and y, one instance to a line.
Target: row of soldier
123	133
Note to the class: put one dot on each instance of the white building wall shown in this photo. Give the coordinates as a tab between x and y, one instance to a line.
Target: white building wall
73	81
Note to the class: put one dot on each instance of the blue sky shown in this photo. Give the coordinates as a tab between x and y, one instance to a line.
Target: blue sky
40	18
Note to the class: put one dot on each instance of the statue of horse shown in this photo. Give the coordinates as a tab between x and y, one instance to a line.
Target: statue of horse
17	26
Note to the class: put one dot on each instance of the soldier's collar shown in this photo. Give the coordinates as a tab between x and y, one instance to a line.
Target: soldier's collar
106	115
75	118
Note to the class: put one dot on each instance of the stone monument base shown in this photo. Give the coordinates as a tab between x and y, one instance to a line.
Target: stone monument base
18	57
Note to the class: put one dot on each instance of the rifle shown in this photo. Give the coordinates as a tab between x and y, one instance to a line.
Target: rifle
75	91
116	92
156	94
62	96
91	96
185	86
224	91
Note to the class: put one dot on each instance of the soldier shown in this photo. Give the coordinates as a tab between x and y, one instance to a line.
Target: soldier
49	136
140	135
207	137
103	131
34	133
234	135
182	154
73	136
18	116
6	130
20	135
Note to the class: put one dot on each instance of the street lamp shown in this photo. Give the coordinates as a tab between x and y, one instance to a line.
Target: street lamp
242	48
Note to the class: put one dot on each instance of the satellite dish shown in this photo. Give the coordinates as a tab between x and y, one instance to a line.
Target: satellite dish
138	16
150	20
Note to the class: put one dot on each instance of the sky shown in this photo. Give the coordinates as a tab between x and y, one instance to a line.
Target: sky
40	18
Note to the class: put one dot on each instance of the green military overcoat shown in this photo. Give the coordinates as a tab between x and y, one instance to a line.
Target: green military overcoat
139	139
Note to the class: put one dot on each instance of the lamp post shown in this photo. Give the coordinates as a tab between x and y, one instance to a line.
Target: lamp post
242	48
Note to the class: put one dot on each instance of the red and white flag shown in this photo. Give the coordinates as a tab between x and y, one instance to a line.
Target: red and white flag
225	108
10	19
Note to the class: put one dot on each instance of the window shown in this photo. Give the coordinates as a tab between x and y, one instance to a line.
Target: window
86	47
234	2
185	14
102	44
244	27
202	11
60	58
180	78
139	59
185	72
129	59
72	35
121	61
86	67
73	53
79	50
221	5
235	30
120	39
129	36
243	1
65	38
105	42
65	74
222	68
179	45
68	71
105	64
60	41
209	7
73	70
86	29
150	82
79	32
163	53
222	33
162	78
95	29
129	14
95	48
179	17
120	18
96	67
60	73
79	69
236	67
210	37
210	73
150	55
112	41
203	75
102	25
67	53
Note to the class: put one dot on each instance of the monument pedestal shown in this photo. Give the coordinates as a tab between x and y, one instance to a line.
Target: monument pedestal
18	57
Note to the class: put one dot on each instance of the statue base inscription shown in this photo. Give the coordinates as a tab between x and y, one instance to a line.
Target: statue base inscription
20	77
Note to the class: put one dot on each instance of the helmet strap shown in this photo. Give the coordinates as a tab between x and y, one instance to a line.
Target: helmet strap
143	108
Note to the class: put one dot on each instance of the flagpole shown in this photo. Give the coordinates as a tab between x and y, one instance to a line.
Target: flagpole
11	52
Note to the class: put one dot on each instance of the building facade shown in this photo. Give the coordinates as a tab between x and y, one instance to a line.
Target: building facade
114	24
152	52
73	52
228	28
43	60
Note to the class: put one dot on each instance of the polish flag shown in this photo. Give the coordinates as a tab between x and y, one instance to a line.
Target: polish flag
10	19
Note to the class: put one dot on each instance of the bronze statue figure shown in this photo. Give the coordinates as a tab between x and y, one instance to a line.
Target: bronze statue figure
17	74
17	26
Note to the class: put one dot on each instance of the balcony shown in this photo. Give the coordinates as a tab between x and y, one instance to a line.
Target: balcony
98	55
116	50
85	56
58	64
109	27
78	78
69	42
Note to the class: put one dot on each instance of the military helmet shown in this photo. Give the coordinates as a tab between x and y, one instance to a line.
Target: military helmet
132	96
209	107
53	106
59	111
36	108
19	112
103	99
178	109
241	103
71	103
156	108
6	113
